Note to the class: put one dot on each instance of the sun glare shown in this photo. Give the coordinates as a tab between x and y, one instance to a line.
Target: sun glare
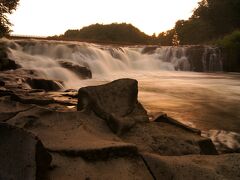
44	17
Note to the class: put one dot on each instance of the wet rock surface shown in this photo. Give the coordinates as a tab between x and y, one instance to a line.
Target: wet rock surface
80	71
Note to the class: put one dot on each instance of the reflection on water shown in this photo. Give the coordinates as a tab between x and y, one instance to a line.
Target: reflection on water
202	100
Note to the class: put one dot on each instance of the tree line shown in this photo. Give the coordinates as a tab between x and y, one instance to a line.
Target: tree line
122	33
211	20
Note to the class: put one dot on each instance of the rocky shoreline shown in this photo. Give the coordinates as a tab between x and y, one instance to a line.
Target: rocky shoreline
109	137
99	132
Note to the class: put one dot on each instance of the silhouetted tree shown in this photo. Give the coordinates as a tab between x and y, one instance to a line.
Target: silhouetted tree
110	33
6	7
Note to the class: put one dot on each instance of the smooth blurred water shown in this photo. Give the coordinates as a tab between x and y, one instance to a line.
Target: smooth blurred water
207	101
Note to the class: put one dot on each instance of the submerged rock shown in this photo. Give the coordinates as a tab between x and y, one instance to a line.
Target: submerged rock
149	50
46	84
116	102
8	64
22	155
81	71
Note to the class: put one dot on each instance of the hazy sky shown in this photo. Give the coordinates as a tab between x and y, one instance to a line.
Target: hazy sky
50	17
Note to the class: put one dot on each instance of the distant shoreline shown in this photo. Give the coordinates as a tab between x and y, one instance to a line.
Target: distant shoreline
79	40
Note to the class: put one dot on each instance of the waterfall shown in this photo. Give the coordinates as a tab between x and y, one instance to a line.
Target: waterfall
44	57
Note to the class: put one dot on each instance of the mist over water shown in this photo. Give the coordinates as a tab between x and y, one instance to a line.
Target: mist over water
208	101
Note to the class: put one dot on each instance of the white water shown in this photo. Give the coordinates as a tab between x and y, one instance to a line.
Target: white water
208	101
43	56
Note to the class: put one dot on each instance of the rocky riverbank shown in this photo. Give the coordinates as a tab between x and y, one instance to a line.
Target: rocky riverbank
99	132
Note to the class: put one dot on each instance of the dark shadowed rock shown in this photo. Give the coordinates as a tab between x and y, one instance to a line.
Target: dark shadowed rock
116	102
149	49
8	64
196	167
81	71
207	147
22	155
46	84
2	83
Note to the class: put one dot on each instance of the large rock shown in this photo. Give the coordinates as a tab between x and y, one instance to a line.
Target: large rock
116	102
8	64
81	71
22	155
46	84
5	62
194	167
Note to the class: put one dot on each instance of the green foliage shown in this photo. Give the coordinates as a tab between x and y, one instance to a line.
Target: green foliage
231	49
6	7
110	33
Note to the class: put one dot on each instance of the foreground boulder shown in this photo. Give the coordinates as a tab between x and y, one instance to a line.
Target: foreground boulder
116	102
80	71
194	167
22	155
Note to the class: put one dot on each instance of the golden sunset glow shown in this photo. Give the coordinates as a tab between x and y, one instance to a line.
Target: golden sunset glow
51	17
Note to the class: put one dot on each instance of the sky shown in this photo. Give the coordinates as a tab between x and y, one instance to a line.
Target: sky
54	17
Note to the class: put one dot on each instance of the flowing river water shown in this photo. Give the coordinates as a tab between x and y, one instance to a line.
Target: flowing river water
208	100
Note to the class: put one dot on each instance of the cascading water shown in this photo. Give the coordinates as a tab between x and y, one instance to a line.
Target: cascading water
44	56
